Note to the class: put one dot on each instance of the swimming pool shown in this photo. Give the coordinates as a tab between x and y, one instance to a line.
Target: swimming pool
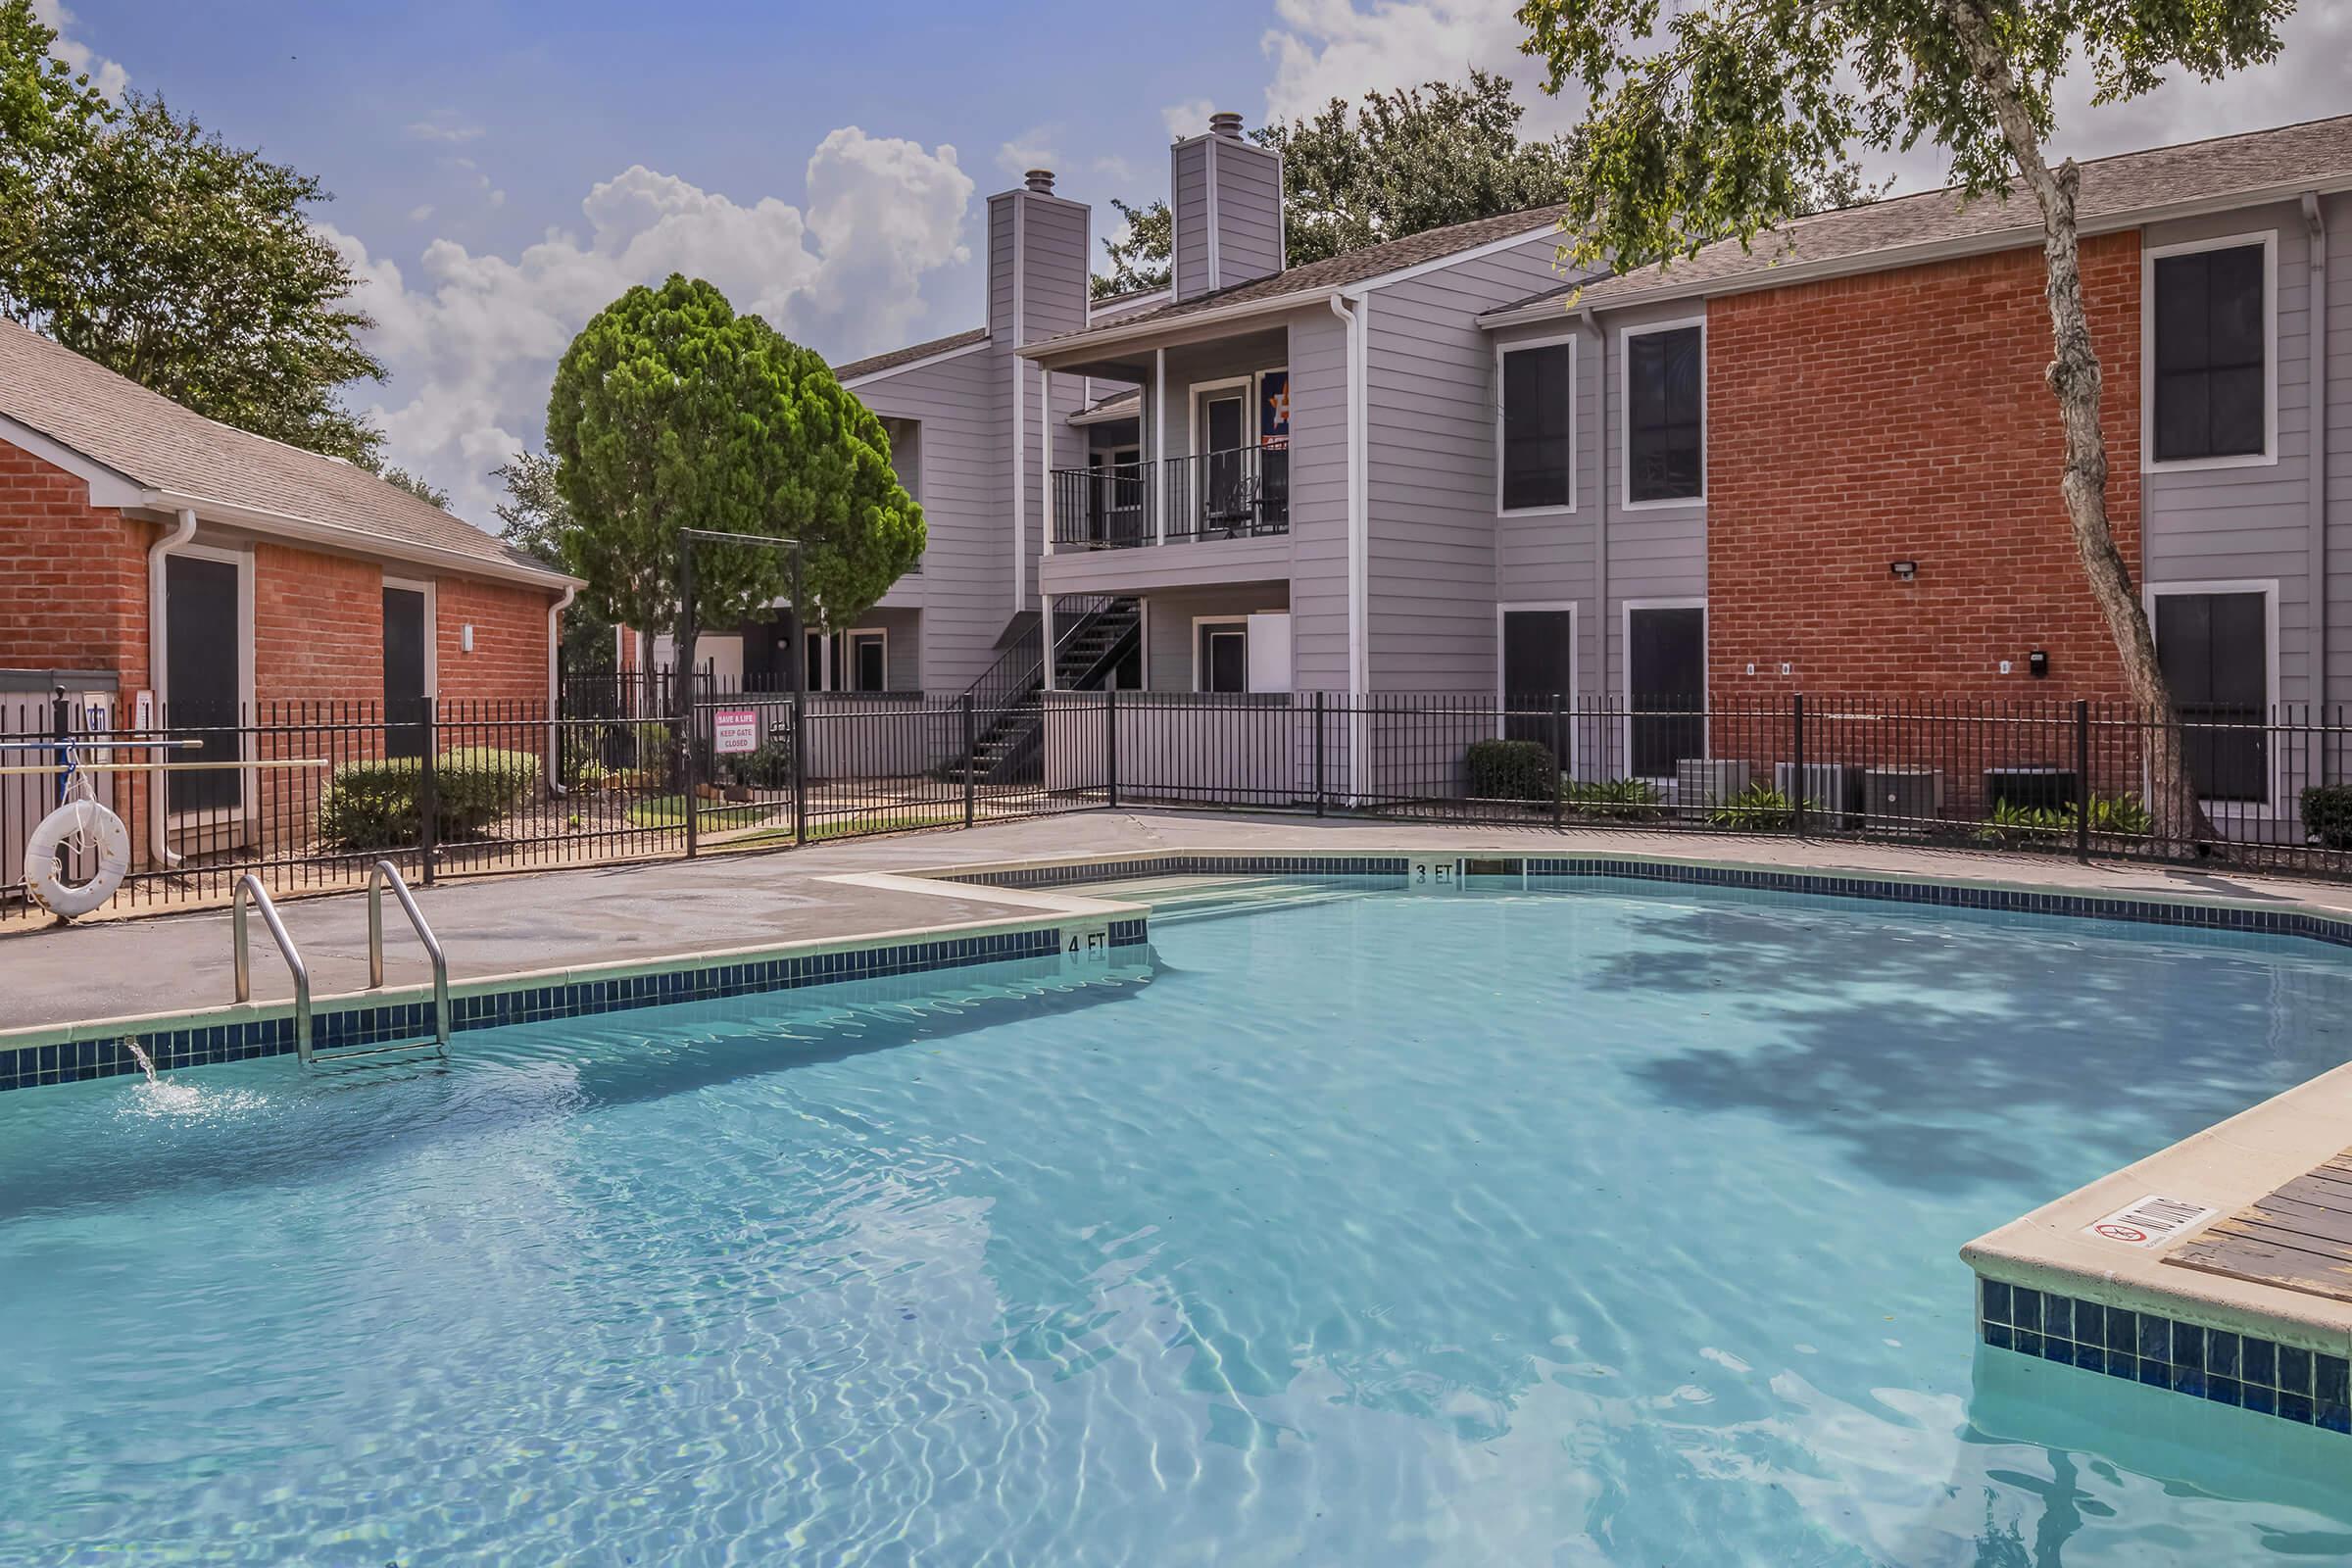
1605	1224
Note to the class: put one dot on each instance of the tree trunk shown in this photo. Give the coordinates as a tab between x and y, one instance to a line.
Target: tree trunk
2075	380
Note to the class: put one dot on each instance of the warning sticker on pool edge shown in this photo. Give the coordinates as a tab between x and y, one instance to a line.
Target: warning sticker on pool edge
2151	1222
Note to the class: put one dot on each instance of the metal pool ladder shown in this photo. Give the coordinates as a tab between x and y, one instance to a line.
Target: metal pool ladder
382	872
249	887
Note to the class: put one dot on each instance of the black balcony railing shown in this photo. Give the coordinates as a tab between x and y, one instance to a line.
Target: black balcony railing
1108	507
1241	494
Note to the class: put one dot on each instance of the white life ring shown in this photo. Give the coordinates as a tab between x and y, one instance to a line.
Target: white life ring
84	820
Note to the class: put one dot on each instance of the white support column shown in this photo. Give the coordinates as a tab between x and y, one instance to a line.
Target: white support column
1045	435
1045	628
1159	442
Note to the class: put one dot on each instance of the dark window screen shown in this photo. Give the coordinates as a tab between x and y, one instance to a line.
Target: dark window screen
2211	398
1663	395
2215	653
1535	442
1666	678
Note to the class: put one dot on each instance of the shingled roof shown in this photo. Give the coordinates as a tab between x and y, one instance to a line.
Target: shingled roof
1335	271
2251	165
188	460
876	363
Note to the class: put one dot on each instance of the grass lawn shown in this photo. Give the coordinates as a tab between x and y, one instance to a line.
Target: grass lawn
669	810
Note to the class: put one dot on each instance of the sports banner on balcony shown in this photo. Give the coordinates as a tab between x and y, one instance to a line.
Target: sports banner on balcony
1274	411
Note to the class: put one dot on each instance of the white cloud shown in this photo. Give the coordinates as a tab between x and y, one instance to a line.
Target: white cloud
1031	149
105	74
472	340
1188	119
443	127
417	214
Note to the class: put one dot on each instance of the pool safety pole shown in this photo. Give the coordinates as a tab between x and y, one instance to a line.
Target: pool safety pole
428	793
1110	745
1796	714
2083	779
971	754
1559	755
1319	750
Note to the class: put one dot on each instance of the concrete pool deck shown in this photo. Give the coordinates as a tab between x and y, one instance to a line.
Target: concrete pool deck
530	921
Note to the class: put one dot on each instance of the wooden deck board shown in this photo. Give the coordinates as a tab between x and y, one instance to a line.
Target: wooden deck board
2298	1237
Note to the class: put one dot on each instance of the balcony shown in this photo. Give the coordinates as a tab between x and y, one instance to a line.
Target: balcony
1240	494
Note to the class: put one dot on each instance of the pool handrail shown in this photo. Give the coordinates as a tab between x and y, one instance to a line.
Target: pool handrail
249	889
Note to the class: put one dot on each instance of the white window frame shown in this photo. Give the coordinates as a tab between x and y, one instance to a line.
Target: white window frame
159	662
1202	622
1576	632
849	652
2268	239
1625	677
1575	380
1199	392
1625	417
2273	807
432	627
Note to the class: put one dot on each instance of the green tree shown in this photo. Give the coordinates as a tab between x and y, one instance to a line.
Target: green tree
418	485
1392	164
536	520
672	411
1139	253
47	117
1716	119
178	260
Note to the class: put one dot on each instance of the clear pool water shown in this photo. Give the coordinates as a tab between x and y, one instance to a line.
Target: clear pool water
1595	1227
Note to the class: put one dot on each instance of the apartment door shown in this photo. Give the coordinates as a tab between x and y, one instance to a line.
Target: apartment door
1538	646
404	630
2215	650
1223	656
1666	679
203	639
1226	504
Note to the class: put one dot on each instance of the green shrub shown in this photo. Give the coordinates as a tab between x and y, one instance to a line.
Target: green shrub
1759	809
2327	814
371	806
1620	799
1512	771
2116	816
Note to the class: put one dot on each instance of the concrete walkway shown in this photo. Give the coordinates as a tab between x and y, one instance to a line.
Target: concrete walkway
520	921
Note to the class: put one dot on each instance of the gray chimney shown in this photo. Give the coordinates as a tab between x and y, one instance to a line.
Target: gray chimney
1037	244
1225	201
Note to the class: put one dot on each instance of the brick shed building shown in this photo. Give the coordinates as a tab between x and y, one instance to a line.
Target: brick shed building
161	568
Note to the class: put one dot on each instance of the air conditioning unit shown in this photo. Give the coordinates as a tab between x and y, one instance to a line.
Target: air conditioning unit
1902	799
1835	787
1701	782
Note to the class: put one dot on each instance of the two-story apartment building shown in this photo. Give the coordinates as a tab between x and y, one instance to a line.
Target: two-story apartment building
1826	462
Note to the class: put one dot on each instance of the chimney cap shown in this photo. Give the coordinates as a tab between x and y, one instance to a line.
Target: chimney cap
1225	122
1039	180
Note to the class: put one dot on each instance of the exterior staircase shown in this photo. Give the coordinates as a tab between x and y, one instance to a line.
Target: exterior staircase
1092	637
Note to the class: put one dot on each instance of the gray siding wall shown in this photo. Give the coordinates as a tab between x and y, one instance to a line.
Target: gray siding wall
2338	211
1553	558
1318	501
1169	614
1187	207
1433	559
967	564
1248	210
2253	524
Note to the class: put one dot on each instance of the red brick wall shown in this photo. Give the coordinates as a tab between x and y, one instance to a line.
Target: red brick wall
510	640
318	626
1903	415
73	579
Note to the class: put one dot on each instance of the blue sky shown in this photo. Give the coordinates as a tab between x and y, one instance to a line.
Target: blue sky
503	170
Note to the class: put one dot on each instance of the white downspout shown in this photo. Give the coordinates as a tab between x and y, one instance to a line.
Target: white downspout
158	665
1349	310
555	690
1600	531
2316	311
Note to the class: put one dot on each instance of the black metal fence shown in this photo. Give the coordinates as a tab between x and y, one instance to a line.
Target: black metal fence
310	794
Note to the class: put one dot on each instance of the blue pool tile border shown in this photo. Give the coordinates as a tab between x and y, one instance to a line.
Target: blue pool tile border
2236	918
357	1024
2220	1366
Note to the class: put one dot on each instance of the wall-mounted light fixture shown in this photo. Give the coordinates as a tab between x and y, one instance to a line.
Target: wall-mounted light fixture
466	638
2037	664
1903	570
